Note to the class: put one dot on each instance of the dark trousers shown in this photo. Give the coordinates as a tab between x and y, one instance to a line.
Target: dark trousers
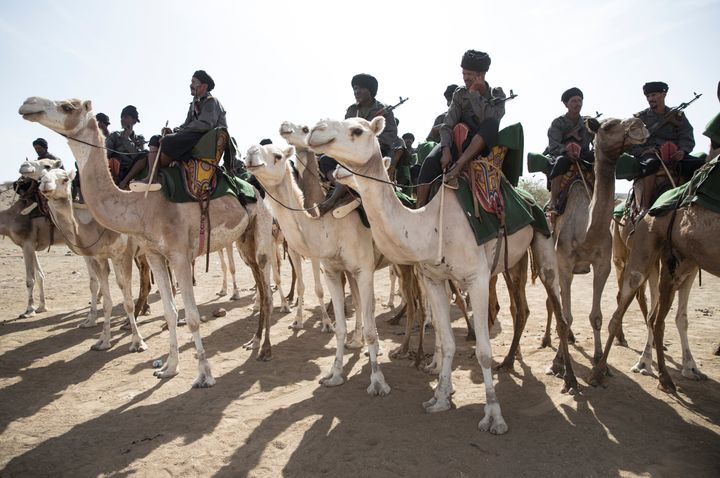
179	145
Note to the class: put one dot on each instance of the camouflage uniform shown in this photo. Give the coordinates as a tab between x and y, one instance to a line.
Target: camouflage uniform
127	150
205	113
562	131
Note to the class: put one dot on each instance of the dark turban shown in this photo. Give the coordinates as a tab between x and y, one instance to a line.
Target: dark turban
574	91
449	91
365	81
131	111
102	118
41	142
474	60
204	78
655	87
265	141
155	140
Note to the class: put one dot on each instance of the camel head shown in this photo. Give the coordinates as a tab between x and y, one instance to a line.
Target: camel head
66	117
269	163
615	136
294	134
352	142
56	184
34	168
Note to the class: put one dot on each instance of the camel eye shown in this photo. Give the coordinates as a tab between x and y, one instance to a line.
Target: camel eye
47	167
67	108
356	131
277	157
305	129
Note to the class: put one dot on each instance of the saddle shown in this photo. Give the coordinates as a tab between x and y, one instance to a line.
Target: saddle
200	173
575	174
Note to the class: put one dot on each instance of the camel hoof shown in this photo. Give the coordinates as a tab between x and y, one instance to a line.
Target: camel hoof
354	344
252	344
399	353
389	305
378	389
138	346
556	369
222	293
165	373
571	338
621	341
496	427
507	365
41	309
126	325
694	374
296	325
332	380
642	368
100	346
597	376
26	314
667	386
87	323
432	369
546	342
264	356
204	381
181	322
284	308
235	296
434	405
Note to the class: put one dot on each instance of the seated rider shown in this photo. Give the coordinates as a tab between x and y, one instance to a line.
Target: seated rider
205	113
477	106
26	188
366	106
568	140
671	138
126	149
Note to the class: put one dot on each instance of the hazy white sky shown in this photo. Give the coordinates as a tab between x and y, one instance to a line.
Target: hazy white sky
288	60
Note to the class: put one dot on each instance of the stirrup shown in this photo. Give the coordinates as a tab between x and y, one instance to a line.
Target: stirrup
345	209
28	209
141	187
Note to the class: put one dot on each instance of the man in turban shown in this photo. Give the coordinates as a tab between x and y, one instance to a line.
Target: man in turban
366	106
568	141
205	113
480	108
126	149
103	122
671	141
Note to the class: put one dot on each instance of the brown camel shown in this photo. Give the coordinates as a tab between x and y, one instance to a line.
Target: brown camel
166	231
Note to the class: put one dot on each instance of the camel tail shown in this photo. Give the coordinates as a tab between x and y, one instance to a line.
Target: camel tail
534	268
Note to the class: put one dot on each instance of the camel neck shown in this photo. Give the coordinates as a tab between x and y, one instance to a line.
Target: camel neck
118	210
603	198
62	216
310	178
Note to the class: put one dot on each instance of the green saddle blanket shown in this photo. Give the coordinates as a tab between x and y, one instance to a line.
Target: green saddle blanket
172	179
406	200
703	189
521	210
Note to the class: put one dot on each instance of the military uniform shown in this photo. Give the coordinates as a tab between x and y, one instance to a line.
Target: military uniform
562	131
127	150
676	130
481	113
205	113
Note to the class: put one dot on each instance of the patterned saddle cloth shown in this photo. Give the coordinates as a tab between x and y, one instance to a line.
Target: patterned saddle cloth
200	173
575	174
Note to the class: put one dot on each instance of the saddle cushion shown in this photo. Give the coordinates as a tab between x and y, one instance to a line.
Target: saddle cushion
173	186
703	189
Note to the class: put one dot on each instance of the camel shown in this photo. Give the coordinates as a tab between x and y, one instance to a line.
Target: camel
35	170
31	235
572	227
341	245
164	230
354	145
612	136
98	245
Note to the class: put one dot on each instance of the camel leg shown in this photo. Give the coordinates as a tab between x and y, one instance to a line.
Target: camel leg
601	272
357	339
334	284
296	262
91	319
183	273
31	266
406	275
391	299
141	306
294	268
102	269
223	266
543	251
40	280
123	275
233	273
366	313
657	322
437	296
690	369
460	303
644	363
277	257
327	325
516	279
161	274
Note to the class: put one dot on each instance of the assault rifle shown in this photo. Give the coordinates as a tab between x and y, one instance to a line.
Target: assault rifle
669	115
390	108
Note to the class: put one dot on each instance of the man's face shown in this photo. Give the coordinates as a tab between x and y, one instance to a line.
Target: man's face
103	126
574	105
656	100
471	78
362	94
408	141
39	149
197	88
127	121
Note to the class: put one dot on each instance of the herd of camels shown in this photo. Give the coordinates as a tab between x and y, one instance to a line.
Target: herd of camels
114	226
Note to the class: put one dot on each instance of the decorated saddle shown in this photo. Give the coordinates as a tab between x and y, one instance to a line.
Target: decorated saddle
703	189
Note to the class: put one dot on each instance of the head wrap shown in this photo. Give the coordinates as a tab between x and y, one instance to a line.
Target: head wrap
204	78
449	91
655	87
574	91
41	142
154	140
364	80
475	61
102	118
265	141
408	135
131	111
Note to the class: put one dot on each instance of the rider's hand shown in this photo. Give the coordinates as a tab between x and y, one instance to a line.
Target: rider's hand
446	158
165	131
678	156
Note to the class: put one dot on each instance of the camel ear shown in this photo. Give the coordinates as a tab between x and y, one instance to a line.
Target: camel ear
57	164
386	162
377	125
87	104
610	123
289	151
72	174
592	124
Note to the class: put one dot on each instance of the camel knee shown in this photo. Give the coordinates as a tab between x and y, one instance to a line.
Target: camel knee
484	358
636	279
262	260
549	274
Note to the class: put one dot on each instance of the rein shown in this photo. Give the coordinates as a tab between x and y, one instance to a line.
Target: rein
55	221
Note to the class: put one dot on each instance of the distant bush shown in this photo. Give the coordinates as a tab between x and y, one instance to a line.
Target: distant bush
536	187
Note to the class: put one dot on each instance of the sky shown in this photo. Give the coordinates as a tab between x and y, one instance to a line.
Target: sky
274	61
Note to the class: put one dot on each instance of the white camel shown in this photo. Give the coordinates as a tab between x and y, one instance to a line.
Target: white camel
165	230
353	144
342	245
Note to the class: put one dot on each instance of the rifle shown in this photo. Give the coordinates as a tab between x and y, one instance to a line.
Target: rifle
389	109
668	116
496	101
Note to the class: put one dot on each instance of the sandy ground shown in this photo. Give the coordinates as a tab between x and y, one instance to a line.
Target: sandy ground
66	410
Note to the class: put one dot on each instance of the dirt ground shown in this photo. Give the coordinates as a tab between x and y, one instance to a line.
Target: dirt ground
69	411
